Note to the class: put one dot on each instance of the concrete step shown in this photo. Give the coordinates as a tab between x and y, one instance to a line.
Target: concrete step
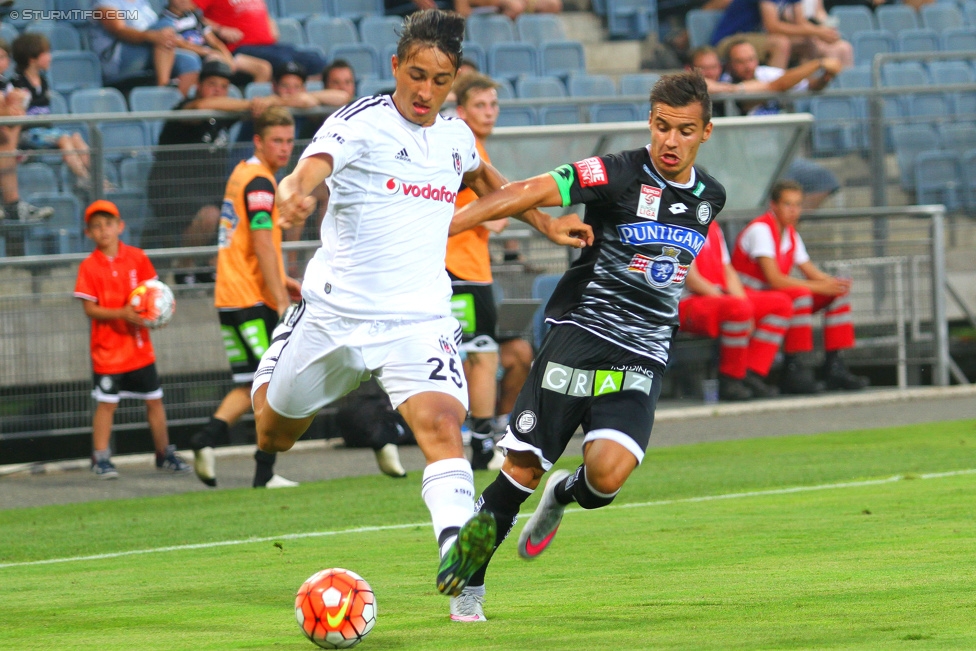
613	57
583	26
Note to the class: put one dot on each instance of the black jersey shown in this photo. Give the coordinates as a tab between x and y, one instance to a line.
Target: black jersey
647	231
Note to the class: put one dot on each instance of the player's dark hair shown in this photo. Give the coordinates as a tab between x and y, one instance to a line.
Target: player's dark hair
680	90
28	46
781	186
467	84
273	116
338	64
443	30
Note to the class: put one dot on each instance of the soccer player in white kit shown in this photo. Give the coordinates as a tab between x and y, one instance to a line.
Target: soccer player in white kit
376	296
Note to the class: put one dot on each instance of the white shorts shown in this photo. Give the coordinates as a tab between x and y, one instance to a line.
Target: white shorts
328	356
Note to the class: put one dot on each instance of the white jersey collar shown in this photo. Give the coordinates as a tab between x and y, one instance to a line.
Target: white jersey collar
691	182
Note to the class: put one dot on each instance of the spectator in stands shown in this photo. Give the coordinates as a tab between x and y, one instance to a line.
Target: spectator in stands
32	53
196	36
779	30
123	361
515	8
766	252
130	47
405	7
186	184
13	103
339	75
247	28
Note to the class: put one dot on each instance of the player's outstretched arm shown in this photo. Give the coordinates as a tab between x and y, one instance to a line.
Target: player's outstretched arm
293	197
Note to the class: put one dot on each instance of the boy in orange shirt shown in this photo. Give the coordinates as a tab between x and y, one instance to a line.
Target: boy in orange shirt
123	361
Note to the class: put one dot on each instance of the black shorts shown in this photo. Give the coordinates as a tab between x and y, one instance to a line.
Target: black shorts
581	379
247	334
473	305
141	384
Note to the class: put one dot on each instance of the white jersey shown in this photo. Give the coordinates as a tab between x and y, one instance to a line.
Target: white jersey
384	237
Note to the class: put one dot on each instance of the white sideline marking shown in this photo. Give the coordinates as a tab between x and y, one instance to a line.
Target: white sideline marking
393	527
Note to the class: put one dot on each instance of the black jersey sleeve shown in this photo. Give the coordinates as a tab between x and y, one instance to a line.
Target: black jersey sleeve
587	181
259	196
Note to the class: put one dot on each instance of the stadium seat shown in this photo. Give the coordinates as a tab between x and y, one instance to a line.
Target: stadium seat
542	288
36	177
896	18
154	98
539	28
356	9
539	87
134	208
631	19
950	72
474	52
257	89
77	18
363	58
290	31
73	70
836	125
959	39
327	32
488	29
314	85
379	31
61	233
852	19
638	83
512	60
300	9
963	106
98	100
903	73
618	112
504	90
969	11
9	33
3	246
967	169
374	86
867	44
59	105
938	180
700	24
134	173
561	58
560	114
517	116
918	40
591	86
37	5
929	108
854	77
125	140
61	35
941	16
957	136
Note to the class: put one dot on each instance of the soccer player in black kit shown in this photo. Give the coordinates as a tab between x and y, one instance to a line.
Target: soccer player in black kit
613	315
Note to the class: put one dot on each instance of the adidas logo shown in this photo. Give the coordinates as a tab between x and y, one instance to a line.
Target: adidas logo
402	155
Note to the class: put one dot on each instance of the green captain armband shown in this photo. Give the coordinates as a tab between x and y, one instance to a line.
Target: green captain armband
261	221
564	176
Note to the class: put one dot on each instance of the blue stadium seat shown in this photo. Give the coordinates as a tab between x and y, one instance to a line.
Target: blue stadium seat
539	28
364	59
62	233
967	169
591	86
154	98
374	86
631	19
36	177
77	6
903	73
290	31
560	114
852	19
134	208
356	9
854	77
36	5
504	90
896	18
327	32
488	29
561	58
134	173
700	24
963	106
867	44
542	288
474	52
9	33
836	125
380	31
3	246
941	16
97	100
938	179
919	40
122	140
61	35
301	9
929	108
257	89
539	87
957	136
638	83
950	72
517	116
910	140
314	85
59	105
512	60
969	11
618	112
959	39
73	70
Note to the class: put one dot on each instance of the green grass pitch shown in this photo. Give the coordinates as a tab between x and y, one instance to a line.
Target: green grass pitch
846	563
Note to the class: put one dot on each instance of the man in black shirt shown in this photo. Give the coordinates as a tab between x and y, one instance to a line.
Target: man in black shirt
613	315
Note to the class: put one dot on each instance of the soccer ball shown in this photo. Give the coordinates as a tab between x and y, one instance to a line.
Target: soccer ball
153	301
335	608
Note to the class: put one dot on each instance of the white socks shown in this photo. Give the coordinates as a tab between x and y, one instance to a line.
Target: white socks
448	491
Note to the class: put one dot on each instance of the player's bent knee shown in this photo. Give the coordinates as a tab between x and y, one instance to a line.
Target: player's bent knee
523	467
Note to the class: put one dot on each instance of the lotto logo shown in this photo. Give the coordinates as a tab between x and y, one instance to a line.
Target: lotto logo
591	172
